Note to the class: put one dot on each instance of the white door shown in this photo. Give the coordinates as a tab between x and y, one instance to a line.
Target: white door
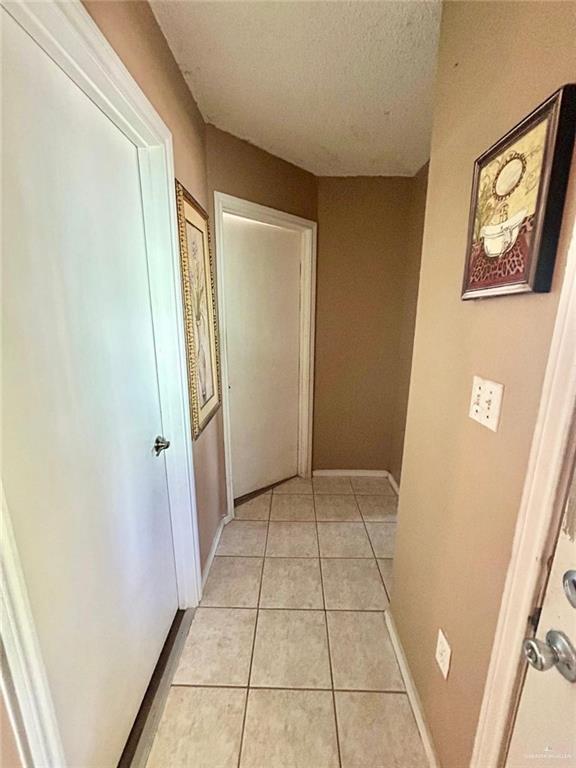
262	300
87	496
545	728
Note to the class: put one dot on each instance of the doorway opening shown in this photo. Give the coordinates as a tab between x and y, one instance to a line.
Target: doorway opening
266	271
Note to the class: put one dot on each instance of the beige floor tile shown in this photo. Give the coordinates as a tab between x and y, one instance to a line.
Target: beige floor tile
218	648
386	569
257	508
201	727
292	507
233	582
292	540
378	729
372	485
290	729
336	508
343	540
291	583
353	585
382	536
378	507
294	485
243	538
361	651
291	650
332	485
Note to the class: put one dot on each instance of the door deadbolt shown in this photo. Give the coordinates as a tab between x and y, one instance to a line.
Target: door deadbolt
557	652
160	444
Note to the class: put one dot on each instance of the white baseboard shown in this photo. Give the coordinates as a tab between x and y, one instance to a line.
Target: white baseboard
412	693
213	549
393	483
358	473
350	473
154	714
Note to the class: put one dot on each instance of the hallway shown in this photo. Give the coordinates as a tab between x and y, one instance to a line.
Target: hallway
288	661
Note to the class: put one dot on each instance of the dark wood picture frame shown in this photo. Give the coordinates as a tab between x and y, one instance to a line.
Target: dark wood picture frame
530	242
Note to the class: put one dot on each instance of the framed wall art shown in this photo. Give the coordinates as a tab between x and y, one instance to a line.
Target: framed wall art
202	346
518	192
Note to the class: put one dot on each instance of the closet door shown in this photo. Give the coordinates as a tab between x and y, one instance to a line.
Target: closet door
87	495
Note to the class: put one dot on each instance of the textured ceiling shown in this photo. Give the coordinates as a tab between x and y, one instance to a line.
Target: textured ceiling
338	88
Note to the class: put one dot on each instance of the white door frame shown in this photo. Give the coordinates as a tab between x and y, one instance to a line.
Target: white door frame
538	518
67	33
307	230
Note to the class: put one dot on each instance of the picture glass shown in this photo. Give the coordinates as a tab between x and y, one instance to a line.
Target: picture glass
201	301
505	211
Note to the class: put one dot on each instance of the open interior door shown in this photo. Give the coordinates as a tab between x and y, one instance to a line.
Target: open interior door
544	731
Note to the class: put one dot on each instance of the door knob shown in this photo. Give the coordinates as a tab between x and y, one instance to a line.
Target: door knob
160	444
557	652
539	655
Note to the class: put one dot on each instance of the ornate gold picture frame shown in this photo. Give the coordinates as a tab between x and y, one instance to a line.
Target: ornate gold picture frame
200	317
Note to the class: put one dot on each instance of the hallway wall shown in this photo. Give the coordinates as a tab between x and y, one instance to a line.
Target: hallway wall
403	362
238	168
369	244
461	483
9	754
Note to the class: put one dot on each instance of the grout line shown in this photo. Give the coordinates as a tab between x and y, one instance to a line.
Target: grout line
328	639
254	635
280	608
375	558
300	557
386	691
306	557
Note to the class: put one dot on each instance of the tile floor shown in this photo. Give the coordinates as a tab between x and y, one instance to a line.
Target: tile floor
288	663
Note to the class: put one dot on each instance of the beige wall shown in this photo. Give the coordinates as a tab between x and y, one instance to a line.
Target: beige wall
403	365
241	169
461	484
9	755
132	30
368	251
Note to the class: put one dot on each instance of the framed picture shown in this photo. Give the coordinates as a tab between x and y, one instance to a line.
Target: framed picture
197	270
518	195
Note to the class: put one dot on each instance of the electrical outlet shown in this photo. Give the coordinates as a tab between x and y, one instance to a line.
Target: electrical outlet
443	654
485	402
476	399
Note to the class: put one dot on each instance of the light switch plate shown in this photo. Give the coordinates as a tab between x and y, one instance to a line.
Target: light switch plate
486	402
443	654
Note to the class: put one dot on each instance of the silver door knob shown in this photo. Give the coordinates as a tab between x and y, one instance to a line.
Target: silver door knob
557	652
160	444
539	654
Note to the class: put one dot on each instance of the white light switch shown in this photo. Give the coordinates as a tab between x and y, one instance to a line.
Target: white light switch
485	402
